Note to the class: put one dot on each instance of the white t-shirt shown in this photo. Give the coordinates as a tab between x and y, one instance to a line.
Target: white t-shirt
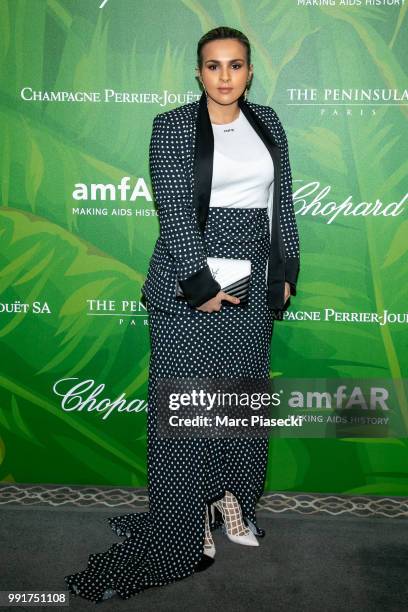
243	169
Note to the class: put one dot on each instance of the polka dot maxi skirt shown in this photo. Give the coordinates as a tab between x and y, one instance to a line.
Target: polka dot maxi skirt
185	475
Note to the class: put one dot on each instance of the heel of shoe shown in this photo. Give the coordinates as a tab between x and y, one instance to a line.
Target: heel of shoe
204	563
208	551
212	514
255	530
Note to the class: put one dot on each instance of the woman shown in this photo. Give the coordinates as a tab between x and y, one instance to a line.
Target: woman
222	182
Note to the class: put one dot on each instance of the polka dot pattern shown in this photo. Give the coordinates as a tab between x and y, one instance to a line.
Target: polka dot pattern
165	543
180	250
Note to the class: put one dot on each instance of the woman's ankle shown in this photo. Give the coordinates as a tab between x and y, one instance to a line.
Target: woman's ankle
233	519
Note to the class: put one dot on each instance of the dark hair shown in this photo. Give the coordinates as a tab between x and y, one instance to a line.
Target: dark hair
220	33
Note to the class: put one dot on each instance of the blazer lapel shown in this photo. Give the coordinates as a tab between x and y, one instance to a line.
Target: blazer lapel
203	162
269	141
204	154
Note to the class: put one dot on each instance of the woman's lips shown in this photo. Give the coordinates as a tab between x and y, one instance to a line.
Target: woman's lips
224	89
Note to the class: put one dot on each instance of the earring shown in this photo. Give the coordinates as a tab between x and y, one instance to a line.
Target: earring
206	94
246	91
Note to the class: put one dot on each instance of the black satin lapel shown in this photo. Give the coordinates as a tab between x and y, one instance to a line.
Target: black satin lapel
267	137
276	266
258	125
261	130
204	156
203	162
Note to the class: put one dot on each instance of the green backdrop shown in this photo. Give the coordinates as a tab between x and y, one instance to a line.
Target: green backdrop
81	81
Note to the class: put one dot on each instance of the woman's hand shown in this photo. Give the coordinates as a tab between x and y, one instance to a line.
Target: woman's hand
287	292
214	305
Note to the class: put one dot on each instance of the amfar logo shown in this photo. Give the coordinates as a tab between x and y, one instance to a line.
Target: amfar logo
99	191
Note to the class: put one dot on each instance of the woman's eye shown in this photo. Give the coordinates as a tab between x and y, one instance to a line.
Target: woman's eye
234	66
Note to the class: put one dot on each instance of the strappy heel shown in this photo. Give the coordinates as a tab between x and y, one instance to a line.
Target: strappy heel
209	546
234	526
207	558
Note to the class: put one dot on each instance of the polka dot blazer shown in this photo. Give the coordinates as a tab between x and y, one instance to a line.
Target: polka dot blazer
181	158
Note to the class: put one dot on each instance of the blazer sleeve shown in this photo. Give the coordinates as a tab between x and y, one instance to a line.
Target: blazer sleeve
177	218
288	223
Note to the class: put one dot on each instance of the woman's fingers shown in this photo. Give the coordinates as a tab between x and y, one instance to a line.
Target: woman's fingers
287	292
230	298
214	305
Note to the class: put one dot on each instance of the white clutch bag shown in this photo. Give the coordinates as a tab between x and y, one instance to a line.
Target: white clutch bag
232	274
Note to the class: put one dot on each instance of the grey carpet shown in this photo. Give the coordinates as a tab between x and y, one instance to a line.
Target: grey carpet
304	563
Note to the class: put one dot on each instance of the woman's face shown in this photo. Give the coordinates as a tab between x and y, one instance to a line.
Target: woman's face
224	71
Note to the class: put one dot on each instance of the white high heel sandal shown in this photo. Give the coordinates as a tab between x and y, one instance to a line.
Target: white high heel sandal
209	546
234	526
